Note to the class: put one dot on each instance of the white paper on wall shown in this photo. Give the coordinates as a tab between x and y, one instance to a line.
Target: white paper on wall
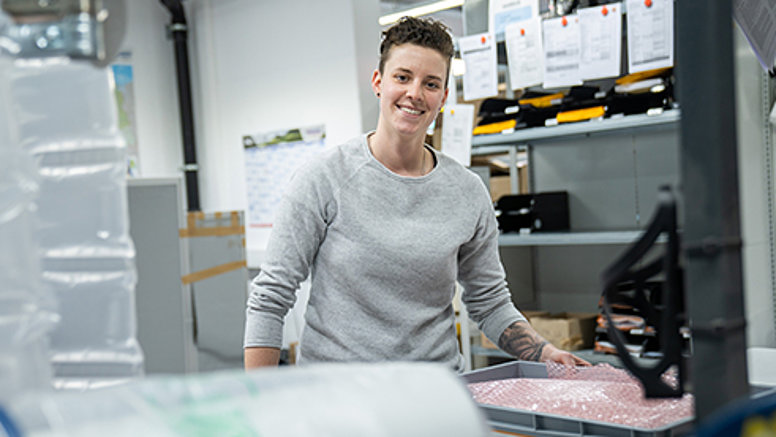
525	53
479	55
457	124
601	33
650	34
561	51
503	12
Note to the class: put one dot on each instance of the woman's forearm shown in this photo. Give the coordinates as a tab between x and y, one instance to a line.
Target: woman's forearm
523	342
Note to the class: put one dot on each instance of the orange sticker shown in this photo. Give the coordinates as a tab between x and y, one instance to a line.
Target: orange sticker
522	32
605	11
483	39
564	21
648	3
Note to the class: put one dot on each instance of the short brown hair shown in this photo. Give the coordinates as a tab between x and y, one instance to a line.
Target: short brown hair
424	32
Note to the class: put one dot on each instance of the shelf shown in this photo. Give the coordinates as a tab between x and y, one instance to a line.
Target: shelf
569	238
635	331
491	150
535	135
684	331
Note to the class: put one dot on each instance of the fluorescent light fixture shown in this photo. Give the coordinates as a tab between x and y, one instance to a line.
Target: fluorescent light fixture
420	10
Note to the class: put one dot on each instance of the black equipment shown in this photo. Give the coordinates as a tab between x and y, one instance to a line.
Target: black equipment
539	212
629	278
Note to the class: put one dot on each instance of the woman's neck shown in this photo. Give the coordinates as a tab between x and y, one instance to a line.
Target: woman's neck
404	157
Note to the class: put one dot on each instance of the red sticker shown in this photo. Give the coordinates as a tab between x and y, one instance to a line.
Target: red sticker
648	3
564	21
522	32
483	39
605	11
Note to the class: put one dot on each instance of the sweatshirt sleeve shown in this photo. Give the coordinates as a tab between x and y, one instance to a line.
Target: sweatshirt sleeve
481	274
298	229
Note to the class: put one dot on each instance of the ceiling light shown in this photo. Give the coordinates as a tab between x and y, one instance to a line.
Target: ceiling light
420	10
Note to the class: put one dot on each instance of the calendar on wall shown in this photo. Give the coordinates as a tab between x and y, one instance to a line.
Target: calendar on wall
270	160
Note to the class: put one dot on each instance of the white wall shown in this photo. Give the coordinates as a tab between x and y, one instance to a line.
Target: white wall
255	66
267	65
155	88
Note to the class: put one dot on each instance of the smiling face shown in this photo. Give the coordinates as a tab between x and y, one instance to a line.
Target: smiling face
412	90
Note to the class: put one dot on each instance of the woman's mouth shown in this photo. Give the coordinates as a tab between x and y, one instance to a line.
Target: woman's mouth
410	110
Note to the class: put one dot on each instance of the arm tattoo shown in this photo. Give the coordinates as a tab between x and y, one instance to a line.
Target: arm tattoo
520	340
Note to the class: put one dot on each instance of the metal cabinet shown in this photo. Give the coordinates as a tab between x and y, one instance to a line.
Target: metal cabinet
192	281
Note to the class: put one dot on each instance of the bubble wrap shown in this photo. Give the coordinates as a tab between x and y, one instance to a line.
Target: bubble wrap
600	393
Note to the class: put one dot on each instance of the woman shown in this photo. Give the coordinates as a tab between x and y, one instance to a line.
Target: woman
385	226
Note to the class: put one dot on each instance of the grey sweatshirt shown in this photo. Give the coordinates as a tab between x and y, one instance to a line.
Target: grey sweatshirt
384	252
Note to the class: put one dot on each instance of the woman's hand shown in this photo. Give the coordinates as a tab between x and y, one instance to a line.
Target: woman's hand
551	353
523	342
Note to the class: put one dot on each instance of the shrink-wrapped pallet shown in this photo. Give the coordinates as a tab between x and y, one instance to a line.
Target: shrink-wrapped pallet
66	119
27	310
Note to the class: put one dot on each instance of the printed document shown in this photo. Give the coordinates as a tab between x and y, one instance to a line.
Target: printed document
503	12
650	34
479	55
601	31
525	56
561	52
457	122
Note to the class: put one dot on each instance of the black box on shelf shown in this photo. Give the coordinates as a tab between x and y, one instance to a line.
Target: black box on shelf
539	212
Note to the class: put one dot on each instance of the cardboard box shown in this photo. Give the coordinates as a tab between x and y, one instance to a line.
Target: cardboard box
532	314
567	331
529	314
499	186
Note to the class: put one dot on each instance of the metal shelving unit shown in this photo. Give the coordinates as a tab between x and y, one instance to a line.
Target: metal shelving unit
487	144
508	143
511	143
568	238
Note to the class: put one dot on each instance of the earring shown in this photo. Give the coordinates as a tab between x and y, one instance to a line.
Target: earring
378	95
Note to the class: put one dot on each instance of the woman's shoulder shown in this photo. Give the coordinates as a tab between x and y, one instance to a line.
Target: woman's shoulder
457	176
332	164
457	171
338	158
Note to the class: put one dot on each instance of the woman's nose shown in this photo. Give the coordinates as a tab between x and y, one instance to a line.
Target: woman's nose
414	90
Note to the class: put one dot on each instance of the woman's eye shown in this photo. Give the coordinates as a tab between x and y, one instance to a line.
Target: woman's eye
401	78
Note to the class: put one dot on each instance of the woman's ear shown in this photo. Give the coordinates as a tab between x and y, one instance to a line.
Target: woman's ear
377	81
444	99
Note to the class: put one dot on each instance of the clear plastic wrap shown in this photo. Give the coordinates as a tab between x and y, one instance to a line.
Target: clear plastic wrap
66	120
342	400
601	393
27	310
